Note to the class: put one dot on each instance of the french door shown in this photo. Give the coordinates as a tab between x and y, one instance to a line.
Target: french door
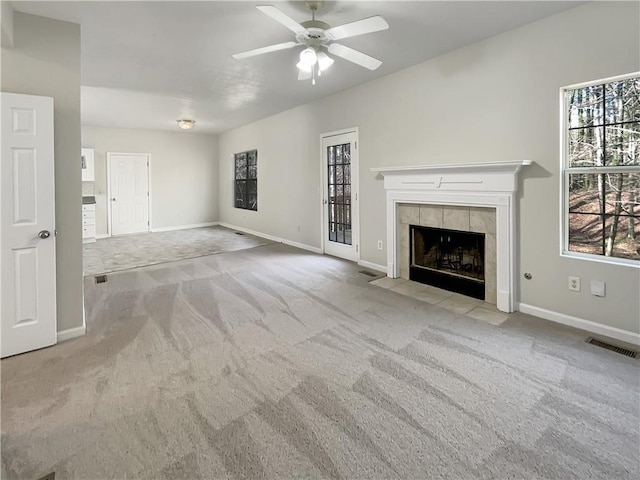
128	193
340	189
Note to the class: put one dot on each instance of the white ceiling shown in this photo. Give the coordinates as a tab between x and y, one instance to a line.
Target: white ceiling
146	64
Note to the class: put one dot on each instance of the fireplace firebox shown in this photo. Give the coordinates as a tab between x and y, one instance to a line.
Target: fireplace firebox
448	259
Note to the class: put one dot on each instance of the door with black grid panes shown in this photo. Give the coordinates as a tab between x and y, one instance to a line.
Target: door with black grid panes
340	220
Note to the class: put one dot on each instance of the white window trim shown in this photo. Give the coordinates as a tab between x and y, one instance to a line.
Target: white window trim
564	178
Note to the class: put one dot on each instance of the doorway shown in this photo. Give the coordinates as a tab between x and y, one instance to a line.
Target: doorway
128	194
340	212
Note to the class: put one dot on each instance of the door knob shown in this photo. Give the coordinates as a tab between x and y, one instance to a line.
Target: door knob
113	199
44	233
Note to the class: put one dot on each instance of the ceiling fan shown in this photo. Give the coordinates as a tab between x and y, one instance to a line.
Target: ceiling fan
318	36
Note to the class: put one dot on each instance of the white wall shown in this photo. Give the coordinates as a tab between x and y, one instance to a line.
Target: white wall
496	100
45	60
6	24
184	173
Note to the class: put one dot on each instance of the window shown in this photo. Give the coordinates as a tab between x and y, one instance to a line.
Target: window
601	170
246	180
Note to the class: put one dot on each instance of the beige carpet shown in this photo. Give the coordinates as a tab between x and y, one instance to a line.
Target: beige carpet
115	254
275	363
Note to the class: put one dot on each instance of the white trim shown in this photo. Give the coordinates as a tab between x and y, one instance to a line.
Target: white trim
511	167
373	266
184	227
302	246
71	333
602	80
109	154
565	171
355	191
582	324
624	262
103	235
478	185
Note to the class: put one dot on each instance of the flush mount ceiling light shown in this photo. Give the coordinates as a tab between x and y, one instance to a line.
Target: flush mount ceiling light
318	36
186	124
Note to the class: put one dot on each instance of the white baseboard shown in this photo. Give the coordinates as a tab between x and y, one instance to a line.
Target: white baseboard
373	266
71	333
102	235
588	325
302	246
184	227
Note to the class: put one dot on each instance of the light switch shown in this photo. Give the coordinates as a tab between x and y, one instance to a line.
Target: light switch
598	288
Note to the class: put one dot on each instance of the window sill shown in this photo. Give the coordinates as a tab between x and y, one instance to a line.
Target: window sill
624	262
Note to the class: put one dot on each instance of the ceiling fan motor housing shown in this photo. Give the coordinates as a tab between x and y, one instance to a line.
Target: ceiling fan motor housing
314	36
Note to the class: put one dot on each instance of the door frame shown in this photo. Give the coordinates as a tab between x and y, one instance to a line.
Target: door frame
355	191
109	155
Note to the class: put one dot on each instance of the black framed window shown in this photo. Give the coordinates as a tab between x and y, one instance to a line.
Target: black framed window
246	180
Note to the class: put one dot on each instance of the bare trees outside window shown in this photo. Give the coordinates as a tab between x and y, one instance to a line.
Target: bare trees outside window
602	168
246	180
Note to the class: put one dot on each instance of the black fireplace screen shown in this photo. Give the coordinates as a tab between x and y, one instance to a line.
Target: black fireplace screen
448	251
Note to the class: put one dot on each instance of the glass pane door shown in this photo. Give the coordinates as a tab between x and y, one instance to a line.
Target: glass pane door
339	193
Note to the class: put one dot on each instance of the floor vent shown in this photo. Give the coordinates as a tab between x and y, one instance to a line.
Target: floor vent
101	278
613	348
239	233
368	274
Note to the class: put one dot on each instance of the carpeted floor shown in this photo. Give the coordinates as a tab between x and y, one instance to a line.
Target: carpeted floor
275	363
115	254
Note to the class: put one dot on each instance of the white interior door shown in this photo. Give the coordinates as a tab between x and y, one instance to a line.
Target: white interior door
340	202
128	193
28	244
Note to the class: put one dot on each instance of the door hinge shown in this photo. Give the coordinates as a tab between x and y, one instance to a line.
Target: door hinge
356	197
356	248
356	145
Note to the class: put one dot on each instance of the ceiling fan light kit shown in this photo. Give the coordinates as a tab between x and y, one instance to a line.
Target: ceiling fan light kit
308	58
317	36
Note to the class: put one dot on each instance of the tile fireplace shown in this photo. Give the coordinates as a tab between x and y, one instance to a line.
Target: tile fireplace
460	197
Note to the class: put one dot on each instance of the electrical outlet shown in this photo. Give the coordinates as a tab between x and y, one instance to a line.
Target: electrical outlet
574	284
379	244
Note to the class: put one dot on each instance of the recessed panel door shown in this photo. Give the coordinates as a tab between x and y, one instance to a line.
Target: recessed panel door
129	193
340	169
28	244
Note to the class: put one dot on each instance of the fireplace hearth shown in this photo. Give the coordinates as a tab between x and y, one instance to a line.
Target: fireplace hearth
448	259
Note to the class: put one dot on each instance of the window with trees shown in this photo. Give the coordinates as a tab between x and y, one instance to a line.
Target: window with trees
601	169
246	180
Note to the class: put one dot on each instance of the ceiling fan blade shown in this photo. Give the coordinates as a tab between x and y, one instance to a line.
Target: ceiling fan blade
367	25
302	75
282	18
354	56
260	51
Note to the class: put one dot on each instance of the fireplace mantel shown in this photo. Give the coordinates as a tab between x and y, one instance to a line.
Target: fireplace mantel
490	185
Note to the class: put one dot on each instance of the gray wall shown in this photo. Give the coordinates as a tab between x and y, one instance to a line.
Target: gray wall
184	173
45	60
496	100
